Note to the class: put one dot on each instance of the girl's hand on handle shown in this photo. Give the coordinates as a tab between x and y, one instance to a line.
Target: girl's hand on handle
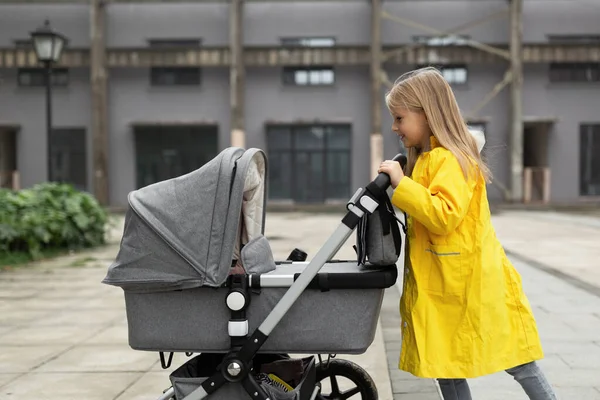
394	170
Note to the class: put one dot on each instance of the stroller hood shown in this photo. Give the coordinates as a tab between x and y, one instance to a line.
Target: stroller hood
184	232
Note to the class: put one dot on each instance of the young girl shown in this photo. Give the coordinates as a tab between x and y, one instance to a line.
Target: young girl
463	308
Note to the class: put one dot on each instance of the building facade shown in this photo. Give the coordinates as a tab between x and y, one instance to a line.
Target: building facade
313	120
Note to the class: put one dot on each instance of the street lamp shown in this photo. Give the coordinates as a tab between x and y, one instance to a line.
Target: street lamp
48	45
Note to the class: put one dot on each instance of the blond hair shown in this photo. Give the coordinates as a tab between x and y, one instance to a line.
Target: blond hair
425	90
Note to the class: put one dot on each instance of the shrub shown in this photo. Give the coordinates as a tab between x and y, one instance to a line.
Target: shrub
49	216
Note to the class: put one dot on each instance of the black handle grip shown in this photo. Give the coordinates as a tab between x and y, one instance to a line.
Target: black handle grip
382	181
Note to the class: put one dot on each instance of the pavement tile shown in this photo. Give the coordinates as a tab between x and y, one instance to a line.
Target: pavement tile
6	378
113	335
568	393
16	316
41	336
149	387
415	396
89	386
101	358
15	359
78	317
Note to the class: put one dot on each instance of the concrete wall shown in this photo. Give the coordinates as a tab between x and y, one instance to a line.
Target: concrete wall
26	106
131	25
572	104
133	99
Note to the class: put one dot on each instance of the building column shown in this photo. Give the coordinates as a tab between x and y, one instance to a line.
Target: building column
376	101
98	74
516	100
237	76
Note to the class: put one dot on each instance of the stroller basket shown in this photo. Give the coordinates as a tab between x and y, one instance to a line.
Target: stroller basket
337	313
190	376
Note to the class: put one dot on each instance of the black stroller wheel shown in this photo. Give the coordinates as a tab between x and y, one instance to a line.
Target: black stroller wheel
363	386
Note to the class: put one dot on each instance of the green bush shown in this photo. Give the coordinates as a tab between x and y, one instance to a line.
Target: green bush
49	216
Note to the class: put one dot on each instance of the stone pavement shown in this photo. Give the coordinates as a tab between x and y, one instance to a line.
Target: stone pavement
566	245
63	335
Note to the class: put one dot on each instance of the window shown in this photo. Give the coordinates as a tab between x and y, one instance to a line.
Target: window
308	42
454	74
589	159
170	76
166	151
309	163
574	39
574	72
28	77
447	40
308	76
68	157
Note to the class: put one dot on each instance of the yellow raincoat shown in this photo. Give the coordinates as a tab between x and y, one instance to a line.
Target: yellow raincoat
463	308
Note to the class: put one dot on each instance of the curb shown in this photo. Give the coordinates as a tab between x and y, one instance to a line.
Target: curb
574	281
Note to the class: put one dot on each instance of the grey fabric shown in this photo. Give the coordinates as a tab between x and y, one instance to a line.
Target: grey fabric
181	233
530	377
336	321
183	386
257	256
381	249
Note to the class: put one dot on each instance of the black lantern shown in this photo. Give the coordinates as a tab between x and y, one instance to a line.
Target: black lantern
48	46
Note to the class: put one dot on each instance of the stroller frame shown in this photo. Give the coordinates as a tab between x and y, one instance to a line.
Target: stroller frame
236	365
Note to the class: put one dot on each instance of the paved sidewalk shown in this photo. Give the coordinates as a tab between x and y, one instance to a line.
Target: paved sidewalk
567	245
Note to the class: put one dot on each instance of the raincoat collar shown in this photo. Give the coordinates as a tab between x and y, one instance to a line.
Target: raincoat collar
433	142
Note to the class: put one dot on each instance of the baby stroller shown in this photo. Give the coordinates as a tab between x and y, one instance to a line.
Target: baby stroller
182	239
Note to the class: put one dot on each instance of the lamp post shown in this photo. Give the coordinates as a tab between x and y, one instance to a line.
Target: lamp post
48	45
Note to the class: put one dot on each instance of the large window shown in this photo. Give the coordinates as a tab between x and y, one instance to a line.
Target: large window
38	76
68	157
308	42
308	76
168	151
445	40
171	76
453	74
574	72
303	76
589	158
309	163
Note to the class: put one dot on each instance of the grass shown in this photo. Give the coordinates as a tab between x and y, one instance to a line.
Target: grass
82	262
12	260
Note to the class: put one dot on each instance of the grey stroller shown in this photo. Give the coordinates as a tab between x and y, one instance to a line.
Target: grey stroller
182	239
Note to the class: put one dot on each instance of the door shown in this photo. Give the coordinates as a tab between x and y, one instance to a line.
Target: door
165	152
68	157
589	156
8	157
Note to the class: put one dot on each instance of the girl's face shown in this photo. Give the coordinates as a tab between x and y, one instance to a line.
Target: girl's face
411	127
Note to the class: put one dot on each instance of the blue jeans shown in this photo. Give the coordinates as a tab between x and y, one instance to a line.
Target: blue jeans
529	376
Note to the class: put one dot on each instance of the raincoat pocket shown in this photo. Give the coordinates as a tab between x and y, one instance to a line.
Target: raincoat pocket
445	269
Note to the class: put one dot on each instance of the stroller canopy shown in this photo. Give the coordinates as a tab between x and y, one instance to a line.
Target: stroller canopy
184	232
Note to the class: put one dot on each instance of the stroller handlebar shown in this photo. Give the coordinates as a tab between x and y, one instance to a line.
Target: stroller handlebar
382	181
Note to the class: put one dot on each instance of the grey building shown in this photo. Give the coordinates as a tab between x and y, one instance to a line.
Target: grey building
305	90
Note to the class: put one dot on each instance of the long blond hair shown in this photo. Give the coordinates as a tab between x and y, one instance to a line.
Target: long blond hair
427	91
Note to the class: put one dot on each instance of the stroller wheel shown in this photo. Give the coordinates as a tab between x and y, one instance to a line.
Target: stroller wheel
361	385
